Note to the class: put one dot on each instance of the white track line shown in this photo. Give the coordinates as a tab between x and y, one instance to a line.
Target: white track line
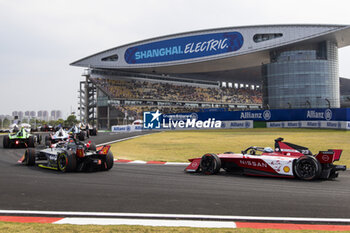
137	162
147	222
120	140
176	163
174	216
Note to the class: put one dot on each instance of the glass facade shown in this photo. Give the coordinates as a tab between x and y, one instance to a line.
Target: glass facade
304	77
264	37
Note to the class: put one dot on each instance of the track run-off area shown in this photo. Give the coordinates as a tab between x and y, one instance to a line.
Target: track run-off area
152	191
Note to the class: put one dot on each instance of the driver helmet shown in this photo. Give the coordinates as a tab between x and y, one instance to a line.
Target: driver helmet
268	150
60	133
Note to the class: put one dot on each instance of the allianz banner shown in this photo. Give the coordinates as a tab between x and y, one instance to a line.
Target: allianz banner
338	114
126	128
310	124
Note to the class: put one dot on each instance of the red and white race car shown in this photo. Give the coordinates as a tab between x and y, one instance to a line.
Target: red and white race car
287	160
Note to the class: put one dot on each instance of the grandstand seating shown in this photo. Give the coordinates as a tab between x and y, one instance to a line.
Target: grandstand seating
172	93
142	90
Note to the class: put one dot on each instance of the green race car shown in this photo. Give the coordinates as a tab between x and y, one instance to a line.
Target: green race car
20	139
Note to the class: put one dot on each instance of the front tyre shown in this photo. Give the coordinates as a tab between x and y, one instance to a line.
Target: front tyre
66	161
31	141
6	141
307	168
210	164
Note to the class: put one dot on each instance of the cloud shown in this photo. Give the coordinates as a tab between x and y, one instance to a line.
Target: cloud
40	38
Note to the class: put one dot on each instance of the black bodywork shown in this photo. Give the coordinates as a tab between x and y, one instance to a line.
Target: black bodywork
71	156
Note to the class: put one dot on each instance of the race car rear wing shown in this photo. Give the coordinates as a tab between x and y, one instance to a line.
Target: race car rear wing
329	156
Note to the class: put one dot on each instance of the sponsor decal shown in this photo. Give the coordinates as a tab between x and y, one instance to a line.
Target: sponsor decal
325	158
327	152
312	124
237	124
183	48
332	124
138	127
328	114
155	120
253	163
251	115
292	124
289	150
313	114
151	120
178	117
286	169
267	115
193	123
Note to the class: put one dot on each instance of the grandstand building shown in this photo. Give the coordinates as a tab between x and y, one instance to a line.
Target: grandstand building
271	66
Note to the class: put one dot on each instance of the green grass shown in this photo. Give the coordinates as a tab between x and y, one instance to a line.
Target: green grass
179	146
52	228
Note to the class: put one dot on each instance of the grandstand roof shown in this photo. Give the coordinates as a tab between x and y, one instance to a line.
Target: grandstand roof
215	50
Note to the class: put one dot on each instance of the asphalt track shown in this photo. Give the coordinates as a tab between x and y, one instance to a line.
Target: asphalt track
163	189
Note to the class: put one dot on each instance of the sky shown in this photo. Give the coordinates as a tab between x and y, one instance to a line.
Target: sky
40	38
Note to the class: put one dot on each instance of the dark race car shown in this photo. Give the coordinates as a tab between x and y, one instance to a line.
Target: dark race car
287	160
76	132
88	129
71	156
21	139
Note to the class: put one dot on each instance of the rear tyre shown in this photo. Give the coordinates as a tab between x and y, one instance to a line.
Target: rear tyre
38	138
210	164
108	164
29	157
66	161
31	142
6	141
307	168
94	132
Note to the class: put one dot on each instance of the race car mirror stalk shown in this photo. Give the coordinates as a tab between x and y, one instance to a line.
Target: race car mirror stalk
286	160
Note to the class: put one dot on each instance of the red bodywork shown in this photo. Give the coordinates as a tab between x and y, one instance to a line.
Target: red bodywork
263	162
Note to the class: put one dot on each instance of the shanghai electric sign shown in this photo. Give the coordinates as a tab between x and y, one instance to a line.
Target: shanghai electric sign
184	48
